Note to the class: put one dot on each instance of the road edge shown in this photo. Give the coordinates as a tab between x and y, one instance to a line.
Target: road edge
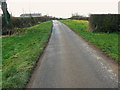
38	63
95	47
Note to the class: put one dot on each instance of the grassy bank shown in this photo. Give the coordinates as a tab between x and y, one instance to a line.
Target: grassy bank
20	54
106	42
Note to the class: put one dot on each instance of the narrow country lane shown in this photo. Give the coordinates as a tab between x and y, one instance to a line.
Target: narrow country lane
70	62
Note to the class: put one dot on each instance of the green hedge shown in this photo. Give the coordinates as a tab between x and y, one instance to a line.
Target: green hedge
107	23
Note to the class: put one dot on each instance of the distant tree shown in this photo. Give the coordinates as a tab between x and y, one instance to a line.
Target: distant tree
76	16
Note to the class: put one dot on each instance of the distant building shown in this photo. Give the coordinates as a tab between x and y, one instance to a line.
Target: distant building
31	15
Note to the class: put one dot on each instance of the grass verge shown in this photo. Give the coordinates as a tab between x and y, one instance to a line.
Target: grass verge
107	42
20	54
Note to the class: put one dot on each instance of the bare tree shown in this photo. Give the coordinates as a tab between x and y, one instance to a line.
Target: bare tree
5	12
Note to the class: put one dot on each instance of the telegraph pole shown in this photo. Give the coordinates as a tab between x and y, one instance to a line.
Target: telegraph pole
119	7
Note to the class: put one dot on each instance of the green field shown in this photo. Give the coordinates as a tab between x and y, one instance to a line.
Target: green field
21	52
108	43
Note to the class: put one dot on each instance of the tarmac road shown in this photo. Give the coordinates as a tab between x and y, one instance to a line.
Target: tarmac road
70	62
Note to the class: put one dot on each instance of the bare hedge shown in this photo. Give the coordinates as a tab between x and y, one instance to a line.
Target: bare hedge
20	22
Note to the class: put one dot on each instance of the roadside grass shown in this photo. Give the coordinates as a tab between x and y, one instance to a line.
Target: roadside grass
20	54
107	42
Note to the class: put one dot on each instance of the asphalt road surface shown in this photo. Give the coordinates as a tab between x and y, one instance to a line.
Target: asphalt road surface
70	62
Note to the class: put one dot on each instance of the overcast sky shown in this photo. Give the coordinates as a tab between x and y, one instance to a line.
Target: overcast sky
62	8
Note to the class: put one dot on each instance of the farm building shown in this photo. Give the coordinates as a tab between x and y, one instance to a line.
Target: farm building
31	15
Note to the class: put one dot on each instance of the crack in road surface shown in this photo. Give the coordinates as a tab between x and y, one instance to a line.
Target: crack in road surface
69	62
